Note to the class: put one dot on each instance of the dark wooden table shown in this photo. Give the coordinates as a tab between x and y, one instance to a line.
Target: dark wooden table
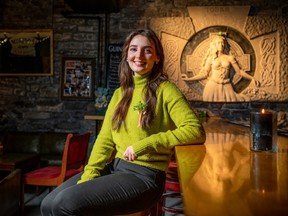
99	120
12	161
223	177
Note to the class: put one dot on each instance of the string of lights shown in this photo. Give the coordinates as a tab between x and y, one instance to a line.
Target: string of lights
38	39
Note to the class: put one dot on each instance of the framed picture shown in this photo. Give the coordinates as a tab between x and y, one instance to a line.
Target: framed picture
77	78
26	52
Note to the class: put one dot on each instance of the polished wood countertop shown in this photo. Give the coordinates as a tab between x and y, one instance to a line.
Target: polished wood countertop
223	177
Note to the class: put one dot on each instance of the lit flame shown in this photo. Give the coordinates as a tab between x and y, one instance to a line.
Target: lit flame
263	111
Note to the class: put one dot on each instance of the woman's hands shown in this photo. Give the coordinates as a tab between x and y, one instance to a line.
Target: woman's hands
129	154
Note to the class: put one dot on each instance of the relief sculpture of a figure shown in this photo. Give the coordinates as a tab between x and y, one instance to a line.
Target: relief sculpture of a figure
216	69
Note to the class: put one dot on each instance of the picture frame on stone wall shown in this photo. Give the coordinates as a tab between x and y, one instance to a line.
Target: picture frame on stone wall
78	78
26	52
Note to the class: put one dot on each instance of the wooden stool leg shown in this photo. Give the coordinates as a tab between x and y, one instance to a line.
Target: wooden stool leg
154	211
22	204
142	213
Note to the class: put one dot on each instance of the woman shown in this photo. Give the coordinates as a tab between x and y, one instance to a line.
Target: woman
216	68
146	117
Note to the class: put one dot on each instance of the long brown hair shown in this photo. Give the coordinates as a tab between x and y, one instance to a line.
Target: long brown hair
156	76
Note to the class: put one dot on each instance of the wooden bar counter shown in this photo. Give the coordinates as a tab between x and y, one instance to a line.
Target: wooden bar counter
223	177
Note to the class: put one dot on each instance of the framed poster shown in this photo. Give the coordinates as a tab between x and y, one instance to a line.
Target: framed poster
27	52
77	78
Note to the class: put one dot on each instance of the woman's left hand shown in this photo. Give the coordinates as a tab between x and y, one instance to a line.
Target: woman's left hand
129	154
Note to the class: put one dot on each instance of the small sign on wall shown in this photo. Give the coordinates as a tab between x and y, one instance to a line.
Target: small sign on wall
114	55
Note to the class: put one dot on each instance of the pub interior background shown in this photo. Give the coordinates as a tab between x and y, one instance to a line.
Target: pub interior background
85	30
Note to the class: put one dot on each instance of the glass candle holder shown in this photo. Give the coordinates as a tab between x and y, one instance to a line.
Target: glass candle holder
263	131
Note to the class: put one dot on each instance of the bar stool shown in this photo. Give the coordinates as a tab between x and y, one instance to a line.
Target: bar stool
172	190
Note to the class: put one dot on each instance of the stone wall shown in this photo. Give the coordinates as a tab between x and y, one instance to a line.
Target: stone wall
34	103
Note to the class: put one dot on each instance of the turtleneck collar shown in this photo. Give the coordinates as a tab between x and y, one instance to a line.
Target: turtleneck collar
140	81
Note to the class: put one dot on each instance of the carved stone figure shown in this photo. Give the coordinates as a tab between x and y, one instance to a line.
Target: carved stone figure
216	69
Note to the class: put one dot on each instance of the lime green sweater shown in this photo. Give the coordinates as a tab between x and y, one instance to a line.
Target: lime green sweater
174	123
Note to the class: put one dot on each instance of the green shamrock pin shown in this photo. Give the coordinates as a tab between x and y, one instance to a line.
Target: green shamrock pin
141	108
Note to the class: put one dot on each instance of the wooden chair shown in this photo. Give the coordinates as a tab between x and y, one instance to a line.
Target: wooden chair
73	161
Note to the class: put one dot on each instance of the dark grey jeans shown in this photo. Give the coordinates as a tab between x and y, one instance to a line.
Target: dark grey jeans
124	188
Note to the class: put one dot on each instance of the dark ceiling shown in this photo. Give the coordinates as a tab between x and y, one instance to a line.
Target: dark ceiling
93	6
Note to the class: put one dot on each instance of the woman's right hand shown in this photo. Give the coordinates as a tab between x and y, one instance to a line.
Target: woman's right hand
129	154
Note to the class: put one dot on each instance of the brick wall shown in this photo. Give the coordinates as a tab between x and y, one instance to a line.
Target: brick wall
34	103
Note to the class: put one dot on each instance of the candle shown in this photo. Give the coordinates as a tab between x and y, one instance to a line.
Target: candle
262	130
